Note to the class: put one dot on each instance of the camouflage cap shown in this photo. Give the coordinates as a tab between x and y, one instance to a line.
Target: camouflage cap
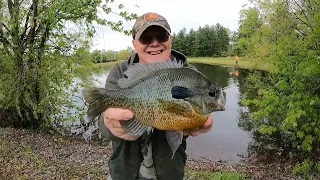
147	20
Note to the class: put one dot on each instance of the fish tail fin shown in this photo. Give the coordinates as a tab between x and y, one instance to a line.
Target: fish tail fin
174	139
96	98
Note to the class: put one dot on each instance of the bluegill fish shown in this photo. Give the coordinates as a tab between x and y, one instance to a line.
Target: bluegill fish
163	95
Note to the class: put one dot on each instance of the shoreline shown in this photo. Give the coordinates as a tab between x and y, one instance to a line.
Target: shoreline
32	154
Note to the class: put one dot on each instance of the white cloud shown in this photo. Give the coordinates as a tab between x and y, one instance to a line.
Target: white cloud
179	13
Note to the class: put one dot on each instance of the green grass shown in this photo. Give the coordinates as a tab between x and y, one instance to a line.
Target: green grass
204	175
229	61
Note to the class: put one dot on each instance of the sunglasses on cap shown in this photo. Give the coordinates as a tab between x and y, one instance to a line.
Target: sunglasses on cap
160	37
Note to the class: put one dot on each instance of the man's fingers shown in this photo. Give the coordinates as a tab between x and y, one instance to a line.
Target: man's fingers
118	114
195	133
208	122
112	116
117	131
128	137
206	127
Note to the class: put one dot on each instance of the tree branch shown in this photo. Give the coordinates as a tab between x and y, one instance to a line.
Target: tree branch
34	19
4	40
44	38
303	12
25	27
5	43
10	5
6	28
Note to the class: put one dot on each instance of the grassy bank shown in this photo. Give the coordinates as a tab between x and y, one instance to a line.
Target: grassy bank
229	61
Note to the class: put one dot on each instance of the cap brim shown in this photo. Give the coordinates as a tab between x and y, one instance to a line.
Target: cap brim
139	33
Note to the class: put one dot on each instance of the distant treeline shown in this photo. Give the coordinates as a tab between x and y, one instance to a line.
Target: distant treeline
98	56
207	41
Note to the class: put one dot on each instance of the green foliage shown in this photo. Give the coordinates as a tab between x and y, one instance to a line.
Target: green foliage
287	100
40	43
101	57
250	33
125	53
203	175
207	41
305	168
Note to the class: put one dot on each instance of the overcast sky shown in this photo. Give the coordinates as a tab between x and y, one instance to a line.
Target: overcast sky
179	13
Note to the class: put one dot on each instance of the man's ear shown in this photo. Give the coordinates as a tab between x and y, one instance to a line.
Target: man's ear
170	40
134	44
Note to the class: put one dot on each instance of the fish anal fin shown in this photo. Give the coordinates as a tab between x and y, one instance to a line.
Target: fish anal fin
174	139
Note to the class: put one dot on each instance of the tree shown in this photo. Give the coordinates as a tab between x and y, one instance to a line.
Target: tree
191	42
288	98
179	42
223	39
36	37
124	54
250	23
206	39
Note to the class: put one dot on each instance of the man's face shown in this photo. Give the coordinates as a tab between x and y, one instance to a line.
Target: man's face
154	45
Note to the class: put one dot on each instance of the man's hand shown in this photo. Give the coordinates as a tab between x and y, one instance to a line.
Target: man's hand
206	127
112	116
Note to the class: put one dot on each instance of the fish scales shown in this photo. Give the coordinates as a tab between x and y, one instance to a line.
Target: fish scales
143	97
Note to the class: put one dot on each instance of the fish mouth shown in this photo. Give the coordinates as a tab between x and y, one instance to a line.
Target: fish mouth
153	53
222	101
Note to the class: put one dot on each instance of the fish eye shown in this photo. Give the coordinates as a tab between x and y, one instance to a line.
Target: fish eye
212	93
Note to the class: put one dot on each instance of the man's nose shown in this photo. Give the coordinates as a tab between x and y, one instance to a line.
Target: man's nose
154	43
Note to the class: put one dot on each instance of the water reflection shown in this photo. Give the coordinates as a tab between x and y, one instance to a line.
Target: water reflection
218	75
226	140
261	144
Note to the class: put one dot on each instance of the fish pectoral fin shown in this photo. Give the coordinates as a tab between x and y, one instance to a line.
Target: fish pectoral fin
175	107
135	128
179	92
174	139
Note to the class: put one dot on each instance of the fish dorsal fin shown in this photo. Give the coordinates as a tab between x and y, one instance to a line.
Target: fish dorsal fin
138	71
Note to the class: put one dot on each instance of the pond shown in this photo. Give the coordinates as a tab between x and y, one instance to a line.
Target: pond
226	141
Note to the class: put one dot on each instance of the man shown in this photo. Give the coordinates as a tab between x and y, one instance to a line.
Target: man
237	59
133	158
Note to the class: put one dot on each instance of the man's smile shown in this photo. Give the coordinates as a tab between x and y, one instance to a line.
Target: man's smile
155	52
